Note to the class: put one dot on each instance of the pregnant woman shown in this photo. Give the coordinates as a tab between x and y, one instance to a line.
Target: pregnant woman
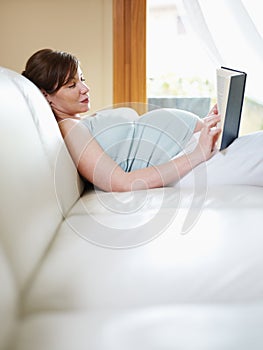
118	151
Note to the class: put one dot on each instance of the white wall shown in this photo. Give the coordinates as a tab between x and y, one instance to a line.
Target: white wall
82	27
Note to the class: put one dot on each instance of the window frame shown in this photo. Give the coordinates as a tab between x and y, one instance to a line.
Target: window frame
129	51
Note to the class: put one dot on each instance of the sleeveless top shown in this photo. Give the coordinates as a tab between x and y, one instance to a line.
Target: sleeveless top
136	142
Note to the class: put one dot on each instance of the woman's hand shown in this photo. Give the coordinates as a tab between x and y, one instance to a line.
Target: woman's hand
202	121
209	135
213	111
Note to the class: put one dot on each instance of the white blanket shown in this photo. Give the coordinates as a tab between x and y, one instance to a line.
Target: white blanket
240	164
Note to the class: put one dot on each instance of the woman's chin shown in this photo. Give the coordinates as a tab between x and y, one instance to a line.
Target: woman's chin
85	109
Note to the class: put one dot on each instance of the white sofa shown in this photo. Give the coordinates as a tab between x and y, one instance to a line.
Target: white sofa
82	269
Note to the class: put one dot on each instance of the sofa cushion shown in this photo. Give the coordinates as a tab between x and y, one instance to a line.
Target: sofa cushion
166	327
217	260
9	299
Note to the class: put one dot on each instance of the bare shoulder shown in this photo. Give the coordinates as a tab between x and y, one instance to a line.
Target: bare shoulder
74	132
67	125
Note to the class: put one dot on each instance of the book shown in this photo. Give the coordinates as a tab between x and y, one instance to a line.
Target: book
230	96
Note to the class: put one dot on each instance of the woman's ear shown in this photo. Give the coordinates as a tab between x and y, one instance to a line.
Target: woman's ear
44	92
46	95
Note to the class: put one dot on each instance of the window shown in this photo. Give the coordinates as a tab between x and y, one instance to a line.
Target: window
186	42
181	59
177	65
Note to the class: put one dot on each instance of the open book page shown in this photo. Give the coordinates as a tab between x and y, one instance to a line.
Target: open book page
223	79
223	85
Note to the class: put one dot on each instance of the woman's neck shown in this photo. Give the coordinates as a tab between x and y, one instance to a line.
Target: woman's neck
60	118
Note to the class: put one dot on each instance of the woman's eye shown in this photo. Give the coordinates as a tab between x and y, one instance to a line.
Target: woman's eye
83	79
72	85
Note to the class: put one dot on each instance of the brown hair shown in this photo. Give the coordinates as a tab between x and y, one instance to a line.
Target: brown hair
50	70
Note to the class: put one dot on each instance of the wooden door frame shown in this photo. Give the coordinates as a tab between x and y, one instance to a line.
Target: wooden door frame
129	51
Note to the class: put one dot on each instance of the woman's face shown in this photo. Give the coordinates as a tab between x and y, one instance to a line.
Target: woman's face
71	99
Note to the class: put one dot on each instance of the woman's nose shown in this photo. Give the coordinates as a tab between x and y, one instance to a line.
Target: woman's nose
84	88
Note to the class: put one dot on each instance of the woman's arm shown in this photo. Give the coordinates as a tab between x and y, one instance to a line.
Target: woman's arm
97	167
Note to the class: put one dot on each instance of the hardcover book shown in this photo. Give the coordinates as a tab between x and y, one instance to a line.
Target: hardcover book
230	96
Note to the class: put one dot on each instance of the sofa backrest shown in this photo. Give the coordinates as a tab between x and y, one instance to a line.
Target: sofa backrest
38	185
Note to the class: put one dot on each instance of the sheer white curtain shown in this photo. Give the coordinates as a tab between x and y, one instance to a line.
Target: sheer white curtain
232	32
